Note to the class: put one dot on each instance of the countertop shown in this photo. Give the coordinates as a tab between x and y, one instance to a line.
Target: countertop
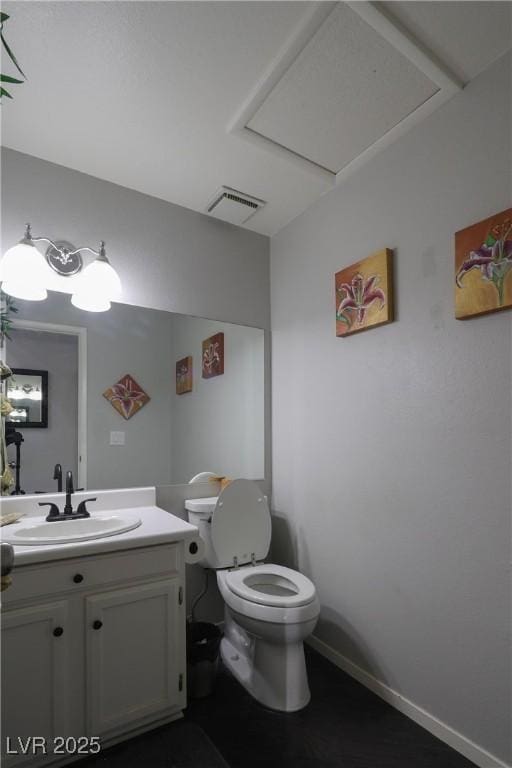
157	527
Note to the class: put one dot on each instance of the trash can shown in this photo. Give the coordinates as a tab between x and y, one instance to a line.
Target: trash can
203	642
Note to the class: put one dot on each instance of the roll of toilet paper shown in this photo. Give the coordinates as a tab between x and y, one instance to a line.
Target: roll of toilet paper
194	550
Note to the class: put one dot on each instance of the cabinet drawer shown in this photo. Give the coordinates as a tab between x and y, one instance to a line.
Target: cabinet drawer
84	573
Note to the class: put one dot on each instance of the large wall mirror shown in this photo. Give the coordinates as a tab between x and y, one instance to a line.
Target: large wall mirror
129	403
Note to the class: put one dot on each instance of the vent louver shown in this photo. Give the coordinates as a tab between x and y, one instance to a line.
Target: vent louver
233	206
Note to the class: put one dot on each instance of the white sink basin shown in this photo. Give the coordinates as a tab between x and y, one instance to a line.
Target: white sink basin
37	532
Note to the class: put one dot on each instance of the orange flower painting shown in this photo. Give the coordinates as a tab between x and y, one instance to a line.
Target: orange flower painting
126	396
364	294
483	266
184	375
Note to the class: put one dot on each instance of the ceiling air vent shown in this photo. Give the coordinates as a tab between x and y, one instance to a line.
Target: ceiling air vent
233	206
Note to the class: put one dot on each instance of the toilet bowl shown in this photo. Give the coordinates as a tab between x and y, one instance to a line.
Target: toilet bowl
269	609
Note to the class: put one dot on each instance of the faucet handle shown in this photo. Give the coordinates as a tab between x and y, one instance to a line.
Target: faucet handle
53	514
57	472
82	509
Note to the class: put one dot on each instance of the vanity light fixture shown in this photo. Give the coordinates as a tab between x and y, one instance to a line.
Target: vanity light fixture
26	274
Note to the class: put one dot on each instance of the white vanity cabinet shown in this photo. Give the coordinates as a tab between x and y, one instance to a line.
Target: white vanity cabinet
138	677
92	646
35	676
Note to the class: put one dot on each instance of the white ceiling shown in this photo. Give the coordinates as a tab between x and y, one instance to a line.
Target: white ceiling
143	93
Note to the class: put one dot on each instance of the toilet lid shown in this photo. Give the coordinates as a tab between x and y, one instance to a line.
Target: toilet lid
240	524
270	584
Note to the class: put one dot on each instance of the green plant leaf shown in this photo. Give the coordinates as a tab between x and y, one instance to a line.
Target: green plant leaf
3	17
12	56
9	79
490	240
3	92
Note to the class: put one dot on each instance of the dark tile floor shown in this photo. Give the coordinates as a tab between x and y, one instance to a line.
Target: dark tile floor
344	726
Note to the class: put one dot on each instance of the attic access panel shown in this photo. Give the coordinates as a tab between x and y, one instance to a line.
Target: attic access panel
348	83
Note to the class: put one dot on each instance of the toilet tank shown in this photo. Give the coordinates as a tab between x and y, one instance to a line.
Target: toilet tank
200	514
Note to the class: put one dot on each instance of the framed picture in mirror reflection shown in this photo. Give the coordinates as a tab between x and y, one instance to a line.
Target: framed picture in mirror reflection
28	395
213	356
184	375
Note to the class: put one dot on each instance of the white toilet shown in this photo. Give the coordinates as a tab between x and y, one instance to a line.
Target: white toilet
269	609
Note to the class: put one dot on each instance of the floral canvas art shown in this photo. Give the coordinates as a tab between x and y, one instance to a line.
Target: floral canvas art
213	356
364	294
126	396
184	375
483	266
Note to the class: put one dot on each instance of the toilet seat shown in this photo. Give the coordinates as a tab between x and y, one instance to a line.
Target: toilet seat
273	614
272	585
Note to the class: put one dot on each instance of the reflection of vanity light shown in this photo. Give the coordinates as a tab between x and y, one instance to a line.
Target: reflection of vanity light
25	274
16	415
24	394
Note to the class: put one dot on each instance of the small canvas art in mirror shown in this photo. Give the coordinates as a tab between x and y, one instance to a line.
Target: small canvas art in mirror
126	396
213	356
27	393
483	266
364	294
184	375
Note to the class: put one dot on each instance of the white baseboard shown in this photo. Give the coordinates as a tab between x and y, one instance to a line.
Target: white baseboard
444	732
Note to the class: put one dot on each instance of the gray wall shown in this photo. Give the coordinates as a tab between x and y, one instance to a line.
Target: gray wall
167	257
135	341
392	448
56	444
219	426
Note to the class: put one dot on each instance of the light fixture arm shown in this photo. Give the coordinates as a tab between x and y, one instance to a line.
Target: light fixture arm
100	254
29	238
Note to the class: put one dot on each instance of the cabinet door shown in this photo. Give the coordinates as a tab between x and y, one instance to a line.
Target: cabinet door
135	654
35	677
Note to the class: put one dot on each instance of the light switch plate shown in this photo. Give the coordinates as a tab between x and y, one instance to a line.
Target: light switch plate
117	438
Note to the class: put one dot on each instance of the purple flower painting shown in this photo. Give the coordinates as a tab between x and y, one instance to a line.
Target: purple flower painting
364	296
213	356
126	396
483	266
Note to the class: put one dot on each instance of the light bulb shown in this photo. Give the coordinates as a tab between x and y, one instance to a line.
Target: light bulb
24	273
97	286
90	303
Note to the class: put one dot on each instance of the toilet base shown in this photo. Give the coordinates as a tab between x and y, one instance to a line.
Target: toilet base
273	673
